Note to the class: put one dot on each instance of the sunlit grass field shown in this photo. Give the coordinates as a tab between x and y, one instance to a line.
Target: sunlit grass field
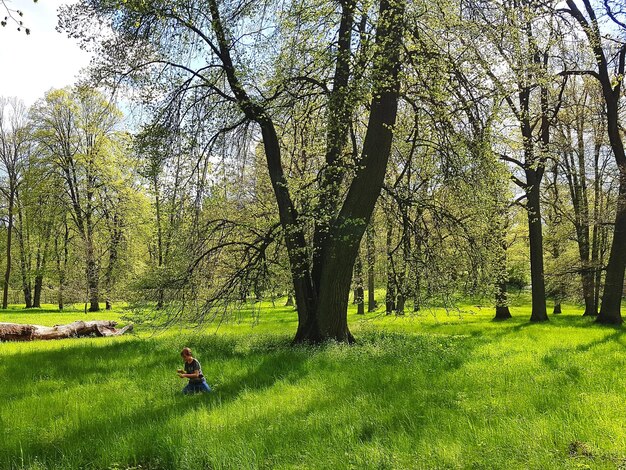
430	391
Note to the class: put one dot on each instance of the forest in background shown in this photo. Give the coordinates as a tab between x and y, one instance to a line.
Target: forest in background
311	150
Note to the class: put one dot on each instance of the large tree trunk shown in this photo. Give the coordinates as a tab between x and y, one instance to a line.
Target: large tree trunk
502	302
535	235
37	291
349	227
610	311
18	332
322	290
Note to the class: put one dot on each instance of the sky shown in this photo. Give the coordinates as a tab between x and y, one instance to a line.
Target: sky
31	65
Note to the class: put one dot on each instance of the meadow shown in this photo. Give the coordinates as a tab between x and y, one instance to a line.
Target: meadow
438	390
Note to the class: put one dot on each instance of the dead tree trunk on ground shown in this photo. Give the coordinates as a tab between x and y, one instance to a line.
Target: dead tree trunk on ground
18	332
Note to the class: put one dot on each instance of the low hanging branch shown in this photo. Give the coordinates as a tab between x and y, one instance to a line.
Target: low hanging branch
18	332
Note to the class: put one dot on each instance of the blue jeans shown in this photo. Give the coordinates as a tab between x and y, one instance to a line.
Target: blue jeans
199	387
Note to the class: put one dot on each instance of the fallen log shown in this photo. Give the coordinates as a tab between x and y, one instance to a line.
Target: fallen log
18	332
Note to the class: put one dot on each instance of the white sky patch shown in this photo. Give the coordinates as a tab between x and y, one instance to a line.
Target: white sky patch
31	65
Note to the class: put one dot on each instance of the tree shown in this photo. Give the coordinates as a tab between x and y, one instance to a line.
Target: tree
522	79
76	131
322	281
611	86
14	151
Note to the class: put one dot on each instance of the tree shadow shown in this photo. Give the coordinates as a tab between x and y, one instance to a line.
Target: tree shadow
251	368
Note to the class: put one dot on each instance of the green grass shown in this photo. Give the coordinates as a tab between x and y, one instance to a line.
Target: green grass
427	391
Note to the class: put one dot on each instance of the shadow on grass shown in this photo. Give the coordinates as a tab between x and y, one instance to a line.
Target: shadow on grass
251	368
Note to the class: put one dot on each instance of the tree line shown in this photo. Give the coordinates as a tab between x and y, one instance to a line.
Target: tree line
310	148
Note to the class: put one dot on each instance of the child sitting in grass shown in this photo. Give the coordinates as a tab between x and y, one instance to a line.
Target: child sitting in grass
193	372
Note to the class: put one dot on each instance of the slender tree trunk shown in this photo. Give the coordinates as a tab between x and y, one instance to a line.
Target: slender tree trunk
7	272
25	266
358	280
417	260
390	294
92	277
61	259
502	301
42	257
116	238
403	289
160	260
371	261
596	233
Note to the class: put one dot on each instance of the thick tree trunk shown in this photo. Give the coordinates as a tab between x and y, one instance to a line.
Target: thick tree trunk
356	212
37	291
610	310
535	235
18	332
322	295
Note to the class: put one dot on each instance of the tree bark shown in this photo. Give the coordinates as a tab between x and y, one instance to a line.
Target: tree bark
610	310
25	259
358	280
371	261
93	276
18	332
390	291
539	309
61	261
7	272
502	301
42	257
322	295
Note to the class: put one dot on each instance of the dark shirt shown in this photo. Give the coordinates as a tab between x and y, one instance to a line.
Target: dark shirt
191	367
